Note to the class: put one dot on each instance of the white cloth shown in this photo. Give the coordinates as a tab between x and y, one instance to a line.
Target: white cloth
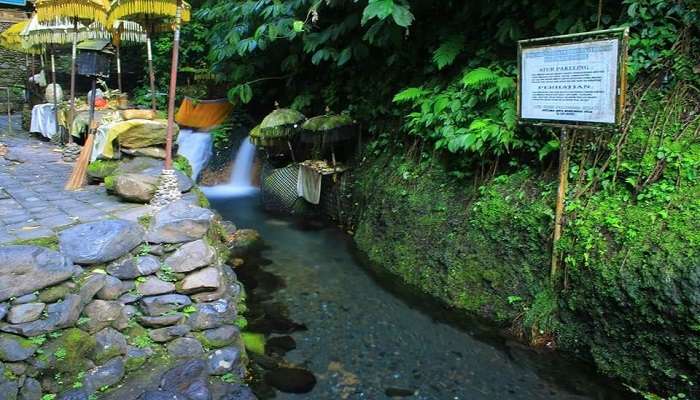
44	121
309	184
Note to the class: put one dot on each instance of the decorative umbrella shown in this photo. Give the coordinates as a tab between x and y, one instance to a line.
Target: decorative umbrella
326	130
277	130
75	11
154	16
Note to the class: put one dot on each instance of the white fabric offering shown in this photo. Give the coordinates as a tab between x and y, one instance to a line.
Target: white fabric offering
309	184
44	121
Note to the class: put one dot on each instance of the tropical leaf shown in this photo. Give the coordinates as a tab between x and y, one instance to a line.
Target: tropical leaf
479	77
409	94
448	51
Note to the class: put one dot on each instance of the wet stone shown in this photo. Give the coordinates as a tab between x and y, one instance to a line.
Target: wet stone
224	360
211	315
291	380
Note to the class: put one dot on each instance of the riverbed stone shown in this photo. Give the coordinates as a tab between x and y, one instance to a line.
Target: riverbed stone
31	390
179	222
154	286
158	305
193	255
25	313
101	241
109	343
185	348
243	242
26	269
169	333
211	315
222	361
105	375
15	348
203	280
134	267
112	289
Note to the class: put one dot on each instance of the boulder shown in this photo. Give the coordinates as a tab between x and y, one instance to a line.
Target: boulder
15	348
109	344
106	375
134	267
203	280
138	188
25	313
152	152
101	314
31	390
158	305
140	133
26	269
101	241
224	360
179	222
191	256
112	289
185	348
169	333
211	315
153	286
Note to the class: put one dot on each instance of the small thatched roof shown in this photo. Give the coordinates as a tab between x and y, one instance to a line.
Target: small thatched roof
324	123
280	118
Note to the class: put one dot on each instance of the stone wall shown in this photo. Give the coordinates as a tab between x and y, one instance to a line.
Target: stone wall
13	65
123	309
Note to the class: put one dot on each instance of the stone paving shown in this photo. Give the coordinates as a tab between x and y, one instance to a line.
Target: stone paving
33	203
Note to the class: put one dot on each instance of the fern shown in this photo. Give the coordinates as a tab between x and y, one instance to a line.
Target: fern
480	77
448	51
409	94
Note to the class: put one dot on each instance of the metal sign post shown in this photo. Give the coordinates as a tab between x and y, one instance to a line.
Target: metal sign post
571	82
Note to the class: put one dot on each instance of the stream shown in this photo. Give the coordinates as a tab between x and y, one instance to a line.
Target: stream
364	335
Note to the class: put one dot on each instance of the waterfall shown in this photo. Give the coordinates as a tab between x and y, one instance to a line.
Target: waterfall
241	182
196	147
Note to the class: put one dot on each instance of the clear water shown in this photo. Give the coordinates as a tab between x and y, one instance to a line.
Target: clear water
197	148
366	333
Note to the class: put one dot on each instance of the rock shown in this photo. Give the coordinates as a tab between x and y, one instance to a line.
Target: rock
236	392
112	289
140	133
154	286
152	152
161	395
26	269
211	315
138	188
136	357
99	170
157	322
398	392
185	348
219	337
134	267
243	242
101	314
179	378
224	360
3	310
25	313
15	348
8	390
101	241
27	298
159	305
60	315
179	222
31	390
129	298
106	375
206	279
291	380
109	343
198	390
169	333
55	293
91	285
75	394
191	256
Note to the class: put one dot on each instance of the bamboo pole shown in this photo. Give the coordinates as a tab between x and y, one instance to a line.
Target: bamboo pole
151	73
172	89
118	46
561	197
74	56
55	93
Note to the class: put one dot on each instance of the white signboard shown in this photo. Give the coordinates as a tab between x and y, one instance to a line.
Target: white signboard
570	82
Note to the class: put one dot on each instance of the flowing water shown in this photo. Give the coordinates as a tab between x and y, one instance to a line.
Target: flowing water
241	182
196	147
366	336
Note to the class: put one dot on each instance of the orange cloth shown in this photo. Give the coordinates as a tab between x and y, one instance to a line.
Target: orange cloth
203	114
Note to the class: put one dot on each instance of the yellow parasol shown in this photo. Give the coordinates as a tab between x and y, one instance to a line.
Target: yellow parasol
125	32
11	39
154	16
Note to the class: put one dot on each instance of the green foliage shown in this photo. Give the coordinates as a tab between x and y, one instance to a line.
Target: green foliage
254	342
181	164
448	51
143	341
